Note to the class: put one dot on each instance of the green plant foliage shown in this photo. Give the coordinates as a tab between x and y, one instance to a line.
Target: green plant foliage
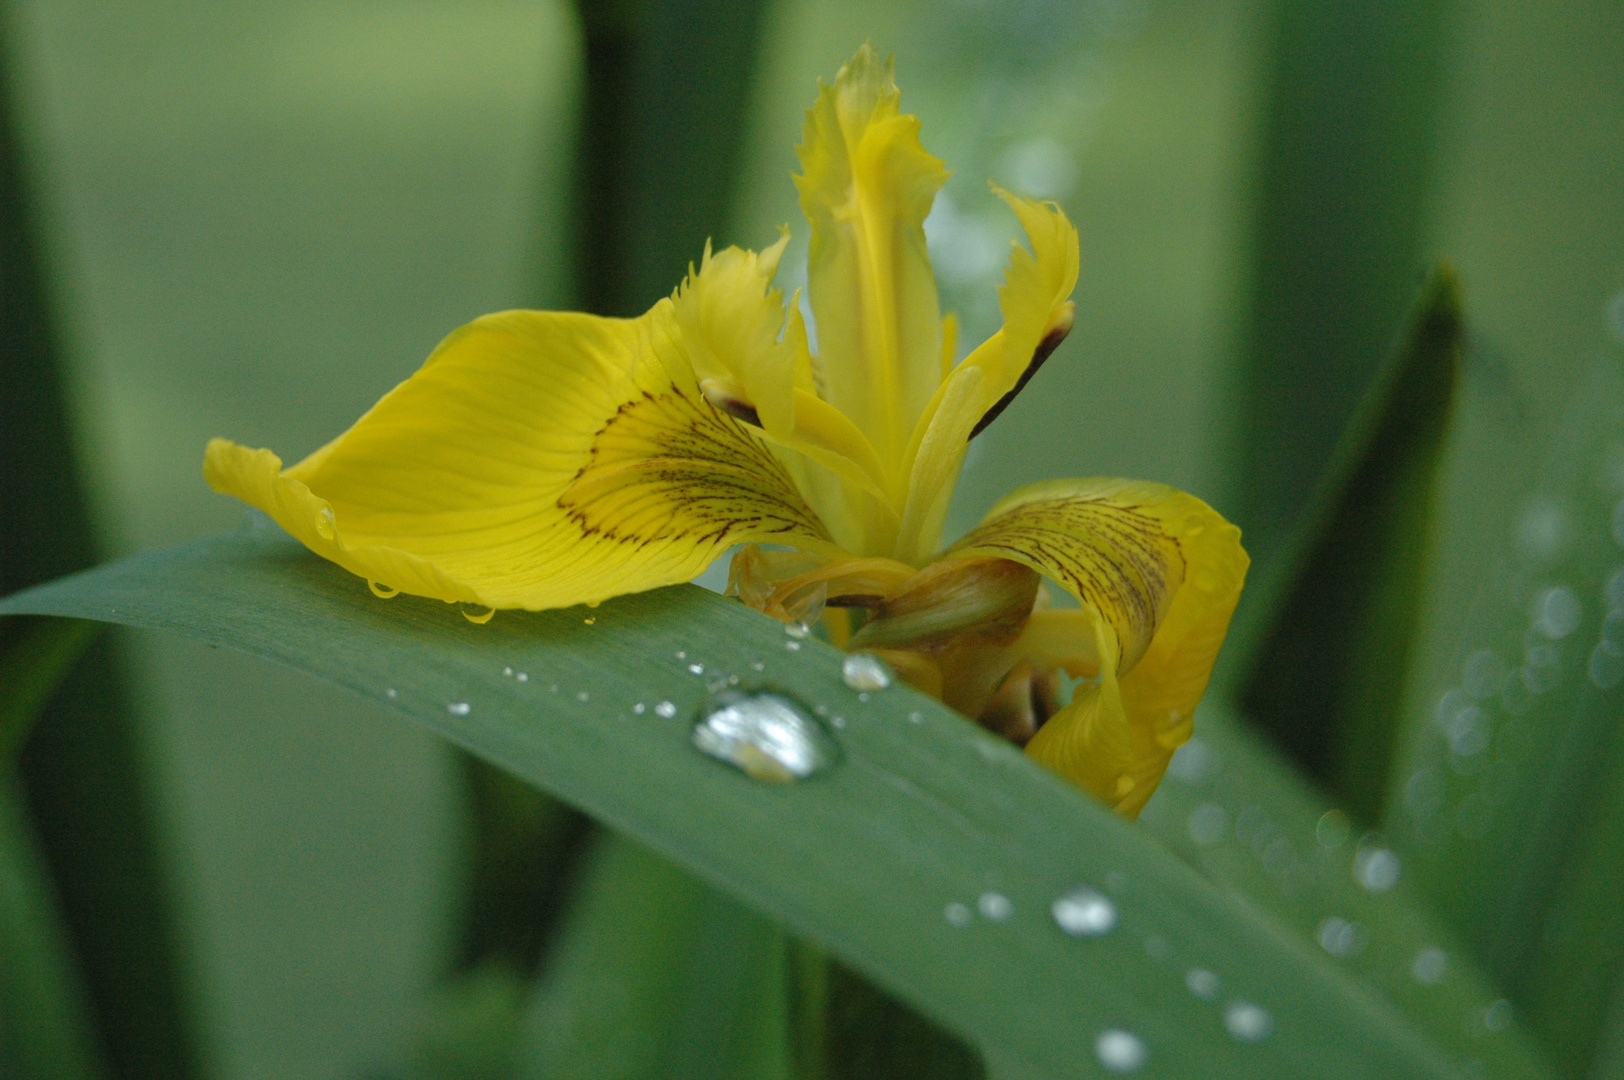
1327	676
38	657
927	856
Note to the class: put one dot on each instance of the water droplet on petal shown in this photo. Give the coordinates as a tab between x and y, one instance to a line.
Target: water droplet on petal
1248	1022
382	592
665	709
459	708
1121	1051
326	525
1203	983
478	614
1430	965
765	735
865	671
797	629
1084	912
995	906
957	915
1375	868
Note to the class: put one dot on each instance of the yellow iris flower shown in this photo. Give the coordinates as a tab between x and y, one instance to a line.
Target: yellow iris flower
545	459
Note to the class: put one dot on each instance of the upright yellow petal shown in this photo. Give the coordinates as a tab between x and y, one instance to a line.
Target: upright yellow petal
536	460
1158	573
866	186
1036	303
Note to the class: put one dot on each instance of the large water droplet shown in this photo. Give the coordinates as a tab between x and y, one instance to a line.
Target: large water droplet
865	671
1084	912
459	708
765	735
1121	1051
1248	1022
326	525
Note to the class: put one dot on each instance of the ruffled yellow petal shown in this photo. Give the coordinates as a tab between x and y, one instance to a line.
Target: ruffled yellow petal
866	186
1158	574
1036	303
536	460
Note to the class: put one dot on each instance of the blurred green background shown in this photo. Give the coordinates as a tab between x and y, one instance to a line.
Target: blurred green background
260	216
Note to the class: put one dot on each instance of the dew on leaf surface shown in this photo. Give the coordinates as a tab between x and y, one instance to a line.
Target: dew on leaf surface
797	629
639	708
458	708
1430	965
521	676
767	736
696	669
1375	868
665	709
1121	1051
1203	983
1339	937
865	671
957	915
995	906
793	646
1084	912
1248	1022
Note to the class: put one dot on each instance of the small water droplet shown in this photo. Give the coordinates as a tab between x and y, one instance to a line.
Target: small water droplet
665	709
1375	868
1498	1015
639	708
1248	1022
1203	983
995	906
797	629
793	646
326	525
391	693
864	697
1084	912
1121	1051
758	665
459	708
839	721
1430	965
590	620
582	695
478	614
766	736
916	717
696	669
522	677
865	671
508	672
382	592
957	915
1208	823
1339	937
1555	612
682	654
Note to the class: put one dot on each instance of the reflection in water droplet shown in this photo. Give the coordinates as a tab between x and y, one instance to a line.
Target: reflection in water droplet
1248	1022
458	708
1375	868
478	614
1555	612
995	906
1606	667
326	525
382	592
1203	983
766	736
1430	965
1339	937
1208	823
1332	829
665	709
957	915
865	671
797	629
696	669
1121	1051
1084	912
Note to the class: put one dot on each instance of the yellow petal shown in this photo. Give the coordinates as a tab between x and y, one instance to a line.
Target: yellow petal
1158	573
866	186
536	460
1038	313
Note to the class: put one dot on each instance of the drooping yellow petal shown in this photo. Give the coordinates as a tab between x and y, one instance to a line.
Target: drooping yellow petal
1036	303
866	187
1158	573
536	460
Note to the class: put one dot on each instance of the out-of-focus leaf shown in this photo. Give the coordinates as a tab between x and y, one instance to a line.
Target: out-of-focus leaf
1233	808
656	974
1327	676
928	855
1351	95
1507	800
29	670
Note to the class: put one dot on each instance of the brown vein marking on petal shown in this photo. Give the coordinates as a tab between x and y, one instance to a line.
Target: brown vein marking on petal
726	398
1051	341
1128	568
666	466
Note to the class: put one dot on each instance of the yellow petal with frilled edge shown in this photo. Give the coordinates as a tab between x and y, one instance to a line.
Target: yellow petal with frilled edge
536	460
1036	303
866	186
1158	573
